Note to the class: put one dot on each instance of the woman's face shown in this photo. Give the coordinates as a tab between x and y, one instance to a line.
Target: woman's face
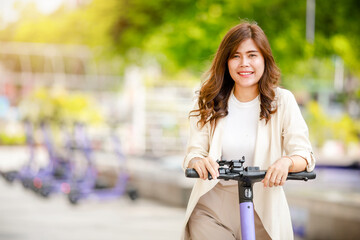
246	66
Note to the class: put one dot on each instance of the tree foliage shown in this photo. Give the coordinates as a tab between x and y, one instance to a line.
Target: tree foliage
343	128
184	34
59	106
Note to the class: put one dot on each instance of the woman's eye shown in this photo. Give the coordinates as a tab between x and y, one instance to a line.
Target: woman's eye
252	55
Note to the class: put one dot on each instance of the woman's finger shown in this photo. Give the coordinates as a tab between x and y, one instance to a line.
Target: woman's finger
198	170
278	180
266	179
210	168
215	165
283	179
273	179
204	171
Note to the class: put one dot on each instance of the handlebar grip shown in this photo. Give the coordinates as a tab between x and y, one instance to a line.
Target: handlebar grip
301	176
191	173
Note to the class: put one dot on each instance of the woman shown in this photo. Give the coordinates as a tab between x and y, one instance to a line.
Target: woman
241	111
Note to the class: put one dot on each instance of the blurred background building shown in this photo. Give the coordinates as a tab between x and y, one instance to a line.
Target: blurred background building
132	68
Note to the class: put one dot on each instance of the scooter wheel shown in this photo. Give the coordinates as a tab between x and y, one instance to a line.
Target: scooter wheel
44	192
74	197
26	183
10	176
133	194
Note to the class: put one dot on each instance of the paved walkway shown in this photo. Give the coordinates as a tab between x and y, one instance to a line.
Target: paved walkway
25	216
328	208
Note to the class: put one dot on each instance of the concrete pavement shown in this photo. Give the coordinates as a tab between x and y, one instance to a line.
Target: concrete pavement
25	216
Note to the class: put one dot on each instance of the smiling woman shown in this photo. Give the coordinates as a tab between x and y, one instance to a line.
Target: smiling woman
241	112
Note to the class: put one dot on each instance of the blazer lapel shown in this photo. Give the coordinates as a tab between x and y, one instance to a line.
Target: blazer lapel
261	153
216	141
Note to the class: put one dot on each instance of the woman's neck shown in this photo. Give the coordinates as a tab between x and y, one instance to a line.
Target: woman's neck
246	94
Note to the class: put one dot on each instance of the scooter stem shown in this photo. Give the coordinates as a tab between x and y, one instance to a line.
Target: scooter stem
246	211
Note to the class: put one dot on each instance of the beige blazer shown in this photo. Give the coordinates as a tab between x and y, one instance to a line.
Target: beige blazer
285	134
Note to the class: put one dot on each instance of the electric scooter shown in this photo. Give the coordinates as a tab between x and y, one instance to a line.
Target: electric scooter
27	172
53	177
246	177
88	186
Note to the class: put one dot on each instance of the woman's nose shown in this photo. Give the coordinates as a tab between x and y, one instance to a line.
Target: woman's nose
244	62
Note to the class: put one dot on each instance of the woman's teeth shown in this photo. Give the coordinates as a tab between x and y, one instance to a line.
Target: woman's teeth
248	73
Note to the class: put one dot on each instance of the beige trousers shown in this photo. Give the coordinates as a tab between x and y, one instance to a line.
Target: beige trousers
216	216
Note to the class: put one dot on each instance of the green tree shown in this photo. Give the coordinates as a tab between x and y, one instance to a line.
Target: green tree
184	34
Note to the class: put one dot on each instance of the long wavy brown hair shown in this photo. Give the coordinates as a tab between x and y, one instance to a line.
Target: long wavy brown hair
216	89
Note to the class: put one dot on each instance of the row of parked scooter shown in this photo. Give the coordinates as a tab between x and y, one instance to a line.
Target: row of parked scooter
62	175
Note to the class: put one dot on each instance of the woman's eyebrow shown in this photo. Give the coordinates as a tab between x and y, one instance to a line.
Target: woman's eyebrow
250	51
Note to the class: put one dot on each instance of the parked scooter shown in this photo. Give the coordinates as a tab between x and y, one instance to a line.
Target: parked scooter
88	186
27	172
56	175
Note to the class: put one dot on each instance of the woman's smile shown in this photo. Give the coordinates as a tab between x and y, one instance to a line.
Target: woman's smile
245	73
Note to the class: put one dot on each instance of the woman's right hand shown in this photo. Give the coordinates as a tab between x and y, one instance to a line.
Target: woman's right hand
204	165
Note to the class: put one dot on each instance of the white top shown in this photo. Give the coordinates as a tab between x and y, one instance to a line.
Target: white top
240	131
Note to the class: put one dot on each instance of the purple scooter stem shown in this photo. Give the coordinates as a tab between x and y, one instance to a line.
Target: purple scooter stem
247	221
245	191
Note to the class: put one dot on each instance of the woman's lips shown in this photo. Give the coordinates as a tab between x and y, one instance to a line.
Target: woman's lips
245	73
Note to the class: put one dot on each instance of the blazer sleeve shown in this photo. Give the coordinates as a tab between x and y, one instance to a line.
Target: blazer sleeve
198	141
295	132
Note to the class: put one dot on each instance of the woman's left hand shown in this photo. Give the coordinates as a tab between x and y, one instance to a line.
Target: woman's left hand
277	173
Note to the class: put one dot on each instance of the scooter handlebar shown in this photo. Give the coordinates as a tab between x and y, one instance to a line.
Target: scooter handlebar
191	173
301	176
